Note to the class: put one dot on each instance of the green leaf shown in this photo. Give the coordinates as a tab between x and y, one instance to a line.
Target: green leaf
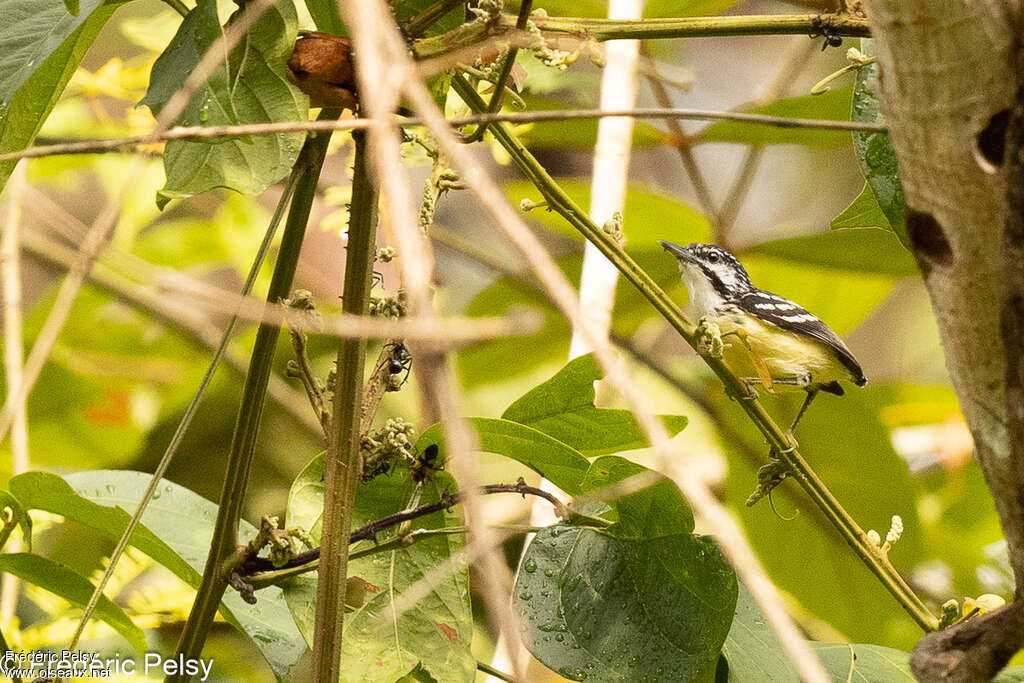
176	530
65	583
752	649
755	654
435	632
603	609
866	250
563	407
874	151
31	31
18	514
562	465
654	511
250	88
834	105
27	97
863	212
325	16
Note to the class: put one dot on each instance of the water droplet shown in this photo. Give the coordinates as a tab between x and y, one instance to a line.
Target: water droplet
559	637
526	595
530	566
549	572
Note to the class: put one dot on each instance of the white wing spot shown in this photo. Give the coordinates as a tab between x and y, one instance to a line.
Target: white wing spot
799	318
765	307
786	306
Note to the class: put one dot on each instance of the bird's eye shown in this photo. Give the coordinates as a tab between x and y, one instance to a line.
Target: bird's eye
713	257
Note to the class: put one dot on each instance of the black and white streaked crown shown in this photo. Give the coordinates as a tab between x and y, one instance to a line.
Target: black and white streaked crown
722	270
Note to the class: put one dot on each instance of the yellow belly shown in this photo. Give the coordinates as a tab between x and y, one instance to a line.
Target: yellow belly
784	354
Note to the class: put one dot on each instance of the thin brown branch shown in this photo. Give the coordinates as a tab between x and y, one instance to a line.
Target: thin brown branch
210	132
369	531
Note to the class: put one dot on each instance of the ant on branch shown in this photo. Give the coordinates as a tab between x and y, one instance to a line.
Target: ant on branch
399	359
824	27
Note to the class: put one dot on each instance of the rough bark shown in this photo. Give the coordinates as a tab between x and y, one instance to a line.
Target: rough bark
948	82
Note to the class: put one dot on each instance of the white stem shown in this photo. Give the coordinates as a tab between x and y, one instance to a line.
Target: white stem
607	196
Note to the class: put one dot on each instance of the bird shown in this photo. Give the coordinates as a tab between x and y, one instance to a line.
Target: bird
778	344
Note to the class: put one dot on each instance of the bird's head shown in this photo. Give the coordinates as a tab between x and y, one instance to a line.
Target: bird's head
711	274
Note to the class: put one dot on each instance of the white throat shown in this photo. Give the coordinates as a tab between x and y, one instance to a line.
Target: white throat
703	297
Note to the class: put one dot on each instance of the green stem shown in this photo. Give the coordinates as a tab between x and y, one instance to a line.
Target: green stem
491	671
600	30
243	442
343	461
498	97
6	529
700	27
178	6
559	201
268	578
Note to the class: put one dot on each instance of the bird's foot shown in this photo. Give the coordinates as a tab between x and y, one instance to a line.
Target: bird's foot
709	339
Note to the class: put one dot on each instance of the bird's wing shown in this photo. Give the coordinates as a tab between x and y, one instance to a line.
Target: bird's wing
795	318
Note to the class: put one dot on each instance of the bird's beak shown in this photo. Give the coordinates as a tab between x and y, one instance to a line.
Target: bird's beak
679	252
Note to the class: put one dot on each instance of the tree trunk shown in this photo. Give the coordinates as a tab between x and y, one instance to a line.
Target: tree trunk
947	72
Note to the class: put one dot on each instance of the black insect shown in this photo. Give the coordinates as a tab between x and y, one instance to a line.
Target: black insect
398	360
823	27
426	463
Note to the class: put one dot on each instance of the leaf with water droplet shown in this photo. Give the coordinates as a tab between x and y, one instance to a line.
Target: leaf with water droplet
613	593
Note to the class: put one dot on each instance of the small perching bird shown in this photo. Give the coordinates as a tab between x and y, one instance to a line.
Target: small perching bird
777	344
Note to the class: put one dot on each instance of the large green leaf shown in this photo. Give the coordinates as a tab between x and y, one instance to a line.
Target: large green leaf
28	96
860	250
176	531
563	465
250	87
77	590
599	608
434	633
874	151
831	106
563	407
